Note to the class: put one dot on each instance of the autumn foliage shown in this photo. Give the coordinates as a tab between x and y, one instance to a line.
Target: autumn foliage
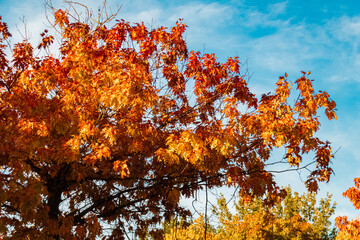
112	129
350	229
294	217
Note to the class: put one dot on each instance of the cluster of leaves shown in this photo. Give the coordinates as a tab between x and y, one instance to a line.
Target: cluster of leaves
104	134
350	229
295	217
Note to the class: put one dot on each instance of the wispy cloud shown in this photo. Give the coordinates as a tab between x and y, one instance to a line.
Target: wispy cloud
345	28
277	8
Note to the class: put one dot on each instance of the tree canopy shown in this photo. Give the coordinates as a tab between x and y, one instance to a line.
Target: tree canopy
294	217
106	134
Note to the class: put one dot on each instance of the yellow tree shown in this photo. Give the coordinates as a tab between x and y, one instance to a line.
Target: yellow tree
111	130
294	217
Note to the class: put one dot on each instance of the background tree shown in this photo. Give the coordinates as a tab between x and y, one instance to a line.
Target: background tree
110	131
294	217
181	229
350	229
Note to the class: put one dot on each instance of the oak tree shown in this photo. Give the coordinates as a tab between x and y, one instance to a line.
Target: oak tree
105	135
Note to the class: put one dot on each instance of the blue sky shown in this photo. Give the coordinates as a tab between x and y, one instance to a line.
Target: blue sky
273	37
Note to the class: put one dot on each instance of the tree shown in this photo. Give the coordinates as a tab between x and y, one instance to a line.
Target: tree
110	131
294	217
182	229
350	229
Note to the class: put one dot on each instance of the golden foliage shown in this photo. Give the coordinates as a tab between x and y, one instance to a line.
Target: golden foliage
294	217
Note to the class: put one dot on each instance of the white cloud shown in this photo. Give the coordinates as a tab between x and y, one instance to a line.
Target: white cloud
148	16
277	8
199	13
345	28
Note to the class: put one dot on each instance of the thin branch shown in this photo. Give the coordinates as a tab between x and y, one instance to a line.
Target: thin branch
206	203
12	209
